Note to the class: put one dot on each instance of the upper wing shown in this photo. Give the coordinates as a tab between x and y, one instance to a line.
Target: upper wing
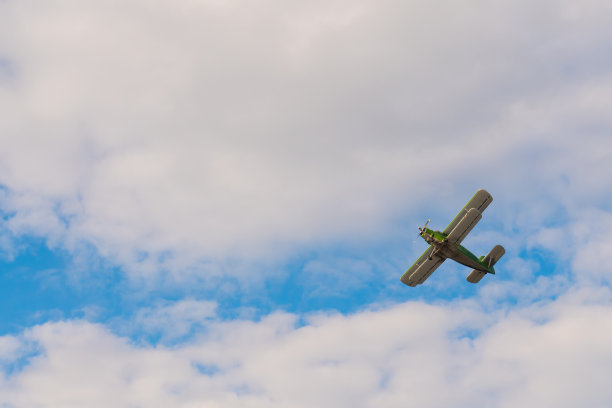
480	201
422	268
464	226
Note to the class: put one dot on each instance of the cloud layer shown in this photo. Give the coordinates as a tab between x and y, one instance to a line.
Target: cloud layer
414	354
168	135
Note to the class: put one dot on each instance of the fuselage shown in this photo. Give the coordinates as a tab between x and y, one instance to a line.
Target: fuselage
453	251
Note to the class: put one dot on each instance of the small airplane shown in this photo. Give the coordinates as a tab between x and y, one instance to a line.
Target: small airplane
446	244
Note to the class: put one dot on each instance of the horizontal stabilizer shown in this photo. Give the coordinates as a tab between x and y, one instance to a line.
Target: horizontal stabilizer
475	276
464	226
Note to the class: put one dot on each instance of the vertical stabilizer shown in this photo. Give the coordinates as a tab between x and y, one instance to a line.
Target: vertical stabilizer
489	260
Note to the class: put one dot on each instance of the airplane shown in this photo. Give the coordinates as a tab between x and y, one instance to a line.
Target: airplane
446	244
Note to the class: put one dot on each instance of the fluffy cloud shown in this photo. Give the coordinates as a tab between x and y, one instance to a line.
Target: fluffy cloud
167	135
170	321
582	243
413	354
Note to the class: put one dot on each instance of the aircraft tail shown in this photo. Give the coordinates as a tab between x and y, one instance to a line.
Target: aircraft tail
489	260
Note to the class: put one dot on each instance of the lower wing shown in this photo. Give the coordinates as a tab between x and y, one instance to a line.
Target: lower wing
422	268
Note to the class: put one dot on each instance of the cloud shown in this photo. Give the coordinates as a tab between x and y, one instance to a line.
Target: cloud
584	243
8	346
167	135
337	275
412	354
170	321
209	141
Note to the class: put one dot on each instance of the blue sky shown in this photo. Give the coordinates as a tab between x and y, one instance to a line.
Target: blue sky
211	203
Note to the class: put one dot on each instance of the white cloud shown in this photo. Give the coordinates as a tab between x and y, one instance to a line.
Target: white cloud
337	275
9	345
582	245
458	354
169	135
170	320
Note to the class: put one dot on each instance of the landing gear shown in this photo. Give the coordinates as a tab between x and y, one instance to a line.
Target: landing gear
433	252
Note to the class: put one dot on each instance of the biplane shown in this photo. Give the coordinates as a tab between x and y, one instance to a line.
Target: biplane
447	244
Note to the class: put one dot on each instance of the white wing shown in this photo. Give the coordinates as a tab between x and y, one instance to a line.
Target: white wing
479	201
464	226
422	268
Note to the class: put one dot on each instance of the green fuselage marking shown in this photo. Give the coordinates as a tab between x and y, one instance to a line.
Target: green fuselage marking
455	252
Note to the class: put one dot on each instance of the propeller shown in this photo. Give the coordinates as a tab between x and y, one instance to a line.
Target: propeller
422	229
